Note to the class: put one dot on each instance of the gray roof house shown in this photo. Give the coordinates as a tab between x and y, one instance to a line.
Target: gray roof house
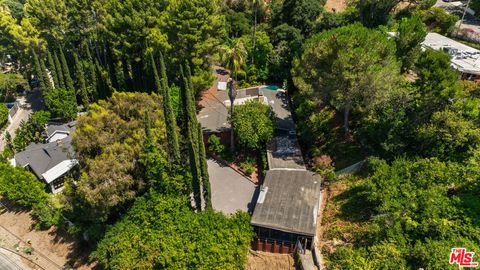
287	207
52	160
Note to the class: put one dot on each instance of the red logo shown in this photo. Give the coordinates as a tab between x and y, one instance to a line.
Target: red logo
462	257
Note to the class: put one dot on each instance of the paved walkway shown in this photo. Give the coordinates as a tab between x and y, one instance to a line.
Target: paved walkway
22	115
230	191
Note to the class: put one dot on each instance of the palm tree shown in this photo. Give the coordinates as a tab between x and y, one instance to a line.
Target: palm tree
255	11
233	55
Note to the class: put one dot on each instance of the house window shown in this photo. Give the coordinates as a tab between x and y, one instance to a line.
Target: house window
58	183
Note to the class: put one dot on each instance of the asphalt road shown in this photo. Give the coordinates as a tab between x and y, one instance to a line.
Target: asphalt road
8	264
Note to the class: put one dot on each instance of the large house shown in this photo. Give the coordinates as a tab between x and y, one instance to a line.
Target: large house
53	160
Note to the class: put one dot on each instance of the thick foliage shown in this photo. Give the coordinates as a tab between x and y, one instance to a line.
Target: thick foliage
3	116
161	232
20	186
420	209
108	142
349	68
31	130
10	84
61	103
253	124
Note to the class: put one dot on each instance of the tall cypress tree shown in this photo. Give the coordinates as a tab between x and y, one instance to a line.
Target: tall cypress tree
192	140
66	71
81	83
206	190
171	123
92	76
38	71
58	67
53	69
46	78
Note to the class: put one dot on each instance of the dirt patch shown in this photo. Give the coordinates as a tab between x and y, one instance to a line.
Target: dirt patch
336	5
50	249
257	260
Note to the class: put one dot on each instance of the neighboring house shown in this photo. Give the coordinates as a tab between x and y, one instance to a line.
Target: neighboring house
285	216
58	131
464	58
52	160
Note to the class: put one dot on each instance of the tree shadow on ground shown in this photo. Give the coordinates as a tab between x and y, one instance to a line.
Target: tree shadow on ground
354	206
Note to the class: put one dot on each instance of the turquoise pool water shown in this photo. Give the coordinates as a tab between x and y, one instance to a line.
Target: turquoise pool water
271	87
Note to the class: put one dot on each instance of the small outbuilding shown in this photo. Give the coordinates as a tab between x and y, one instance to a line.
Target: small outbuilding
285	216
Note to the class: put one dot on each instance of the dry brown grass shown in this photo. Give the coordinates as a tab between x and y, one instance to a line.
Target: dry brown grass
336	5
258	260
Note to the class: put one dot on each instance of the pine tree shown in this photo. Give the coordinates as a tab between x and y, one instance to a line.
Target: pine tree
207	193
81	83
38	71
46	78
53	69
58	67
66	71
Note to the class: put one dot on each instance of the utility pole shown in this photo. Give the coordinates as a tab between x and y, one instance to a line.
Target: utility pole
232	94
463	16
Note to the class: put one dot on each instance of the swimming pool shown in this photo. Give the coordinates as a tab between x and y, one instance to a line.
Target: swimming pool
270	87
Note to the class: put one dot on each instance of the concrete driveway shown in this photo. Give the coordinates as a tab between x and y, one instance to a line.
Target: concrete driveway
7	263
22	115
230	191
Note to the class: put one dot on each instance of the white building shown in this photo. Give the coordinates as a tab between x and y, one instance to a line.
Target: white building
464	58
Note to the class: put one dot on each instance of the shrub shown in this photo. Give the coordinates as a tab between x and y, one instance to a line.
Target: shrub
324	166
3	116
437	20
215	146
248	166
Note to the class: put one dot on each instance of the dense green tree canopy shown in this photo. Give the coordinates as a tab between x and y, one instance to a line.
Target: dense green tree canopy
254	123
350	68
61	103
300	14
108	141
3	116
31	130
411	32
10	84
162	232
21	186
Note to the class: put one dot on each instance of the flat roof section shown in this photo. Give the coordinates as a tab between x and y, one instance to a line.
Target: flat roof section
289	202
464	58
283	152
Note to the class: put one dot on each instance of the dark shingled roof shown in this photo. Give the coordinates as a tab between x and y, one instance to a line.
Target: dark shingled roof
55	127
43	157
289	202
